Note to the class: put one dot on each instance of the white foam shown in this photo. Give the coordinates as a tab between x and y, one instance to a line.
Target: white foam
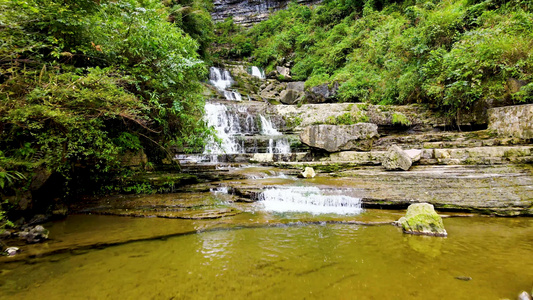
308	199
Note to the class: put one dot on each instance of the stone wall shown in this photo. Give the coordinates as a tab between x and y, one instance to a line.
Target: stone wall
248	12
513	121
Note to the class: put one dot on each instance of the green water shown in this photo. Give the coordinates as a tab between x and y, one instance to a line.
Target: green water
328	261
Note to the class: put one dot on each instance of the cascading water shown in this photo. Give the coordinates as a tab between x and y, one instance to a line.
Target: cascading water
227	126
255	71
267	128
222	80
308	199
236	126
278	145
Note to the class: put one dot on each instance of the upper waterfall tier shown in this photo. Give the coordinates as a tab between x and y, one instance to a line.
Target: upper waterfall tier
222	80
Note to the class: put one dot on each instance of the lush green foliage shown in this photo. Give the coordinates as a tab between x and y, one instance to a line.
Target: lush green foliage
450	54
84	81
194	18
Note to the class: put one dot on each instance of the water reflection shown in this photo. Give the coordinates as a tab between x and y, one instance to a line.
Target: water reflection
313	262
427	245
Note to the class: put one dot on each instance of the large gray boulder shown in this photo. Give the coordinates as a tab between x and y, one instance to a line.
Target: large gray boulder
322	93
290	96
334	138
397	159
421	218
296	85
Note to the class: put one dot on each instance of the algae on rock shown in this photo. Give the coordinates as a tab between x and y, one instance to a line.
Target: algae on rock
421	218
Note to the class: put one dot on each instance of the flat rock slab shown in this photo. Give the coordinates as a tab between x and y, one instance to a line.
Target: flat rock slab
500	190
172	206
505	190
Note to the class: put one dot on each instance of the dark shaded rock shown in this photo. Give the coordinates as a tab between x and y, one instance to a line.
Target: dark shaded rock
421	218
322	93
34	235
5	234
134	159
37	219
334	138
60	210
397	159
22	201
42	174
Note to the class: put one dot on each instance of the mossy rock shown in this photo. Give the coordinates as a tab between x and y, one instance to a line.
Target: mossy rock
421	218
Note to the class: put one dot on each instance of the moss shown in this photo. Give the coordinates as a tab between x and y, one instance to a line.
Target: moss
399	118
292	122
328	168
348	118
422	219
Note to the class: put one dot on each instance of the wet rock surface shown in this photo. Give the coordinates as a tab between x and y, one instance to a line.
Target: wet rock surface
33	234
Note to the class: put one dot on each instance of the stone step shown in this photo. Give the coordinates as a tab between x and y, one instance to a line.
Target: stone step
455	156
440	140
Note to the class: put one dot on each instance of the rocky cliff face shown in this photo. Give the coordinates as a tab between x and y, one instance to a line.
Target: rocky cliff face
248	12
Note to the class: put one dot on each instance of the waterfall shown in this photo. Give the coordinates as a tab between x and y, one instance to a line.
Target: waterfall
226	125
277	145
282	146
258	73
267	128
222	80
308	199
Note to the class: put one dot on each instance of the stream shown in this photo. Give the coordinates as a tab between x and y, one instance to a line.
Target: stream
244	257
259	232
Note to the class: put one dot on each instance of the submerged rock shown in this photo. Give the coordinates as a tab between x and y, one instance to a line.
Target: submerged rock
34	235
12	251
397	159
334	138
524	296
421	218
308	173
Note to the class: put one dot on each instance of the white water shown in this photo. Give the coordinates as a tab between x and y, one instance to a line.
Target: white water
274	145
222	80
267	128
308	199
226	125
258	73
